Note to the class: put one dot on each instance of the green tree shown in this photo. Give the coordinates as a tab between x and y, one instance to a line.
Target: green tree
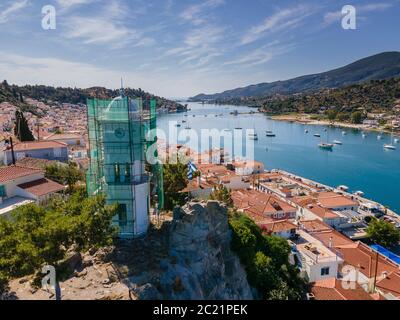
356	117
21	128
266	260
222	194
67	175
332	114
36	236
383	233
175	180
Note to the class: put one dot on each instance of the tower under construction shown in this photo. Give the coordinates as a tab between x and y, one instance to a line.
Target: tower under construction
117	139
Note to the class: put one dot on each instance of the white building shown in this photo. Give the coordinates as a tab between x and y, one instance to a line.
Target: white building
318	262
20	186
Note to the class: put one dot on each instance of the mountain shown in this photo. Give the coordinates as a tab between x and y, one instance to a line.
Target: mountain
377	67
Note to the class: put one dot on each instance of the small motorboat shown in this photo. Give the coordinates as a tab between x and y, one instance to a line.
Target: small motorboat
389	146
359	193
178	125
343	188
344	133
364	135
337	142
396	140
379	137
306	131
271	134
317	135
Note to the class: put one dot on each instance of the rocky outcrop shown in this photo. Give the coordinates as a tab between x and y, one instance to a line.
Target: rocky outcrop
202	265
187	258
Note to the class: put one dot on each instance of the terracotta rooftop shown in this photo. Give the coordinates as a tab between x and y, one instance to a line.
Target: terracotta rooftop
314	225
63	136
360	255
321	212
278	226
333	200
34	163
41	187
333	289
14	172
390	284
259	202
37	145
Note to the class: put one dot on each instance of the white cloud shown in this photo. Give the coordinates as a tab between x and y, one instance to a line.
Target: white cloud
200	46
286	19
99	31
194	12
12	9
68	4
261	55
107	27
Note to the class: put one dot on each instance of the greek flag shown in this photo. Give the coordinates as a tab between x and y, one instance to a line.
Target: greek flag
191	169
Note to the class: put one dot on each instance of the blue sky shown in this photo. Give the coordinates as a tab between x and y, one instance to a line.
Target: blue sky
179	48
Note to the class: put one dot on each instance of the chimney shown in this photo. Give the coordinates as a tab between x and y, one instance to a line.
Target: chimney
330	243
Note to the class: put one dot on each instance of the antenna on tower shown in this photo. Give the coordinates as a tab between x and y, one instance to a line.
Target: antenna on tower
121	91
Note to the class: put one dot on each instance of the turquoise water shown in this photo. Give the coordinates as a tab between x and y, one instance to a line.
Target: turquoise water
360	163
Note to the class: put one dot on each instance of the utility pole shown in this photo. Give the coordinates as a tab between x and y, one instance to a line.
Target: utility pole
376	270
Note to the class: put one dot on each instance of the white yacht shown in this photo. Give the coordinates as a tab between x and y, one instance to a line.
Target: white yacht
337	142
390	146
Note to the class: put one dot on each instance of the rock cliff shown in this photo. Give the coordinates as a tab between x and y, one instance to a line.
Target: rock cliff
189	257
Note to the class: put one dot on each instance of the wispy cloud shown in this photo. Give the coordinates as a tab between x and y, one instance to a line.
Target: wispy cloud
106	27
68	4
194	12
261	55
12	9
200	46
335	16
285	19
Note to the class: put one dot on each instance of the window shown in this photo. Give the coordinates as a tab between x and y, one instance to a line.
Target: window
325	271
57	152
3	193
117	177
122	215
127	173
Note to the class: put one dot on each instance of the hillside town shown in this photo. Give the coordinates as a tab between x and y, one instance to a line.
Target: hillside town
324	226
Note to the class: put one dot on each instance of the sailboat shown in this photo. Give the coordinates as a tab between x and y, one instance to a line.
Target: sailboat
326	145
254	135
391	145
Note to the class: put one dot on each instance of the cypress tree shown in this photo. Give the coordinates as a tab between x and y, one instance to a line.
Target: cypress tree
21	128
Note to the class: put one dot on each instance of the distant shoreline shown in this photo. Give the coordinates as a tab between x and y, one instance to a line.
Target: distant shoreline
303	120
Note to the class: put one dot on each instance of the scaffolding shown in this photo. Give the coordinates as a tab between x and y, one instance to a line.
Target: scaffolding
117	140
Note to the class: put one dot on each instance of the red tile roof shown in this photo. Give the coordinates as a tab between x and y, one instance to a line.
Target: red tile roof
14	172
41	187
363	257
333	289
37	145
334	200
314	225
278	226
260	203
390	284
